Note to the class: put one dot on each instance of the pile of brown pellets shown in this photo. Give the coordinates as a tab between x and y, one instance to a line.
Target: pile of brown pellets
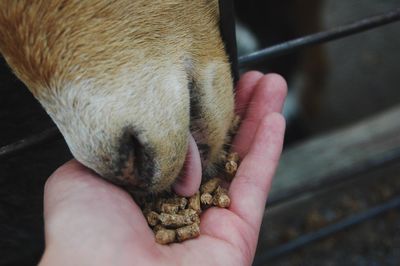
176	219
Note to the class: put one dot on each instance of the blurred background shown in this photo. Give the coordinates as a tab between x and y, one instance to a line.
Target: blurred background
341	160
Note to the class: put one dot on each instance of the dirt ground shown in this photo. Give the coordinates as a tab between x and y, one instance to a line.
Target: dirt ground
372	242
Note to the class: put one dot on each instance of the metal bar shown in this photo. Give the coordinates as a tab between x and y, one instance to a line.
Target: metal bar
389	158
326	231
321	37
28	142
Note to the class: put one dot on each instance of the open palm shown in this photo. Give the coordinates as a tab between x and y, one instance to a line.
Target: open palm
89	221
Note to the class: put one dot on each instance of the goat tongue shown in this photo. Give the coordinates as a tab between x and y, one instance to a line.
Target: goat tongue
189	181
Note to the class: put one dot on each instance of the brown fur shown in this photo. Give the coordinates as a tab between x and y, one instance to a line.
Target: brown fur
110	71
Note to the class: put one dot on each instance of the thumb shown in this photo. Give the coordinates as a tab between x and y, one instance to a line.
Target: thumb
82	210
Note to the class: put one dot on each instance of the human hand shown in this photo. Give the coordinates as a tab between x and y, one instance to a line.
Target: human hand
89	221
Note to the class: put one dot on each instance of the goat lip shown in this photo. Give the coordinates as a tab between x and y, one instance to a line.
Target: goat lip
189	181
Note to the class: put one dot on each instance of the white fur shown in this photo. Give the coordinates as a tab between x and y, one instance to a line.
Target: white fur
92	114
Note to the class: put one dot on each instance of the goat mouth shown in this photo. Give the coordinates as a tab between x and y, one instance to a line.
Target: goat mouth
188	181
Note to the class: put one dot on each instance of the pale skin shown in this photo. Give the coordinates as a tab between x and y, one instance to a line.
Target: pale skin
89	221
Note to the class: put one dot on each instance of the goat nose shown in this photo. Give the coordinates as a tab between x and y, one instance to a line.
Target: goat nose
136	164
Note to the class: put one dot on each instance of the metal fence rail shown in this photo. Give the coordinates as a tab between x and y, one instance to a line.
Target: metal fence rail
29	142
321	37
326	231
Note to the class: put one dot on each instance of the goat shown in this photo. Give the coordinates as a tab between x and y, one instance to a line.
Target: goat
126	82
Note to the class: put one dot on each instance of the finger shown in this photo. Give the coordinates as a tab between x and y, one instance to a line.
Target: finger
250	187
78	203
244	91
268	96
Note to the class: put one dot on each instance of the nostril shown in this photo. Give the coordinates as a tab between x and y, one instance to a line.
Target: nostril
136	148
136	160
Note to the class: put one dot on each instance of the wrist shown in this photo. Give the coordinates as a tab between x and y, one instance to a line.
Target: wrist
82	256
